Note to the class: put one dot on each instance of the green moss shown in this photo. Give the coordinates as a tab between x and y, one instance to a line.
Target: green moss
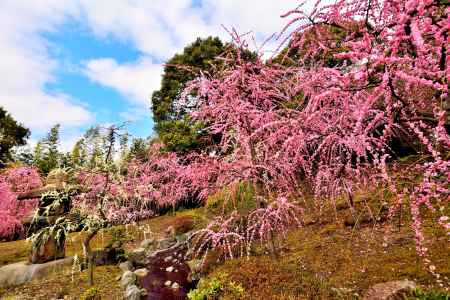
219	286
420	294
321	260
11	252
91	294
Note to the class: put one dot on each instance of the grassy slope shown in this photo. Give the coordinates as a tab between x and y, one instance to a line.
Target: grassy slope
61	283
327	260
314	263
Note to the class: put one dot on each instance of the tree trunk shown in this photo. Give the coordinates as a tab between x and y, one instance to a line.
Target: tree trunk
262	203
90	255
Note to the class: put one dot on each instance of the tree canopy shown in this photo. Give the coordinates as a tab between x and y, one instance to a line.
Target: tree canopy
46	154
172	122
12	134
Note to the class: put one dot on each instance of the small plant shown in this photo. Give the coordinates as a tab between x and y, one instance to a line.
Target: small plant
118	237
216	286
58	232
419	294
91	294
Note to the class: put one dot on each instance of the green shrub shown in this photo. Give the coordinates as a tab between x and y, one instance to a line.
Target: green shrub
420	294
118	237
91	294
214	287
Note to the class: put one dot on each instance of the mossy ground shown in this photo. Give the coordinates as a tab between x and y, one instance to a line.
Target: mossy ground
64	283
328	260
322	260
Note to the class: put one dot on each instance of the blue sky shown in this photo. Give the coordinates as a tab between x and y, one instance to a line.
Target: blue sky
82	62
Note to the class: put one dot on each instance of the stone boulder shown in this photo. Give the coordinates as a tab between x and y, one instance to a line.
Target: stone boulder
38	192
140	273
393	290
47	251
126	266
138	257
166	242
149	244
128	278
23	272
132	292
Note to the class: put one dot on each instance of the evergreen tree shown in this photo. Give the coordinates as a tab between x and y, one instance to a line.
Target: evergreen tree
11	134
24	155
92	143
139	149
171	120
78	154
46	154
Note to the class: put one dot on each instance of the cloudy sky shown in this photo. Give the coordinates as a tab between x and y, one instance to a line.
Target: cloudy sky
85	62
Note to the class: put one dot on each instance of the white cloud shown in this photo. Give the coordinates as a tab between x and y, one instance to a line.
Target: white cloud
134	80
157	29
26	67
160	28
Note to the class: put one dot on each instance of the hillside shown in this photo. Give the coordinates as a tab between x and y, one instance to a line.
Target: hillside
325	259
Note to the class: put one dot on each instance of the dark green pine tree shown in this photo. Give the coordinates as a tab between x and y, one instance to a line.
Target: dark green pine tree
172	123
12	134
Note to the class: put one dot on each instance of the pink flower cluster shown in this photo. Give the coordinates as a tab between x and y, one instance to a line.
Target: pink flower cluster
164	180
331	126
235	234
12	211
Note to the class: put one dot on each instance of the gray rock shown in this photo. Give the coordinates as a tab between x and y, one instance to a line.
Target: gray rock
132	292
126	266
170	269
175	286
138	257
148	243
390	290
168	283
23	272
128	278
141	272
166	243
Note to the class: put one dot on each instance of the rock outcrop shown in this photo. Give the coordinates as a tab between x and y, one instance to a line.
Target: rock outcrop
23	272
390	290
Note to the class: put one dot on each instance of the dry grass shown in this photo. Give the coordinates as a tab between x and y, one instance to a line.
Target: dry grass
63	285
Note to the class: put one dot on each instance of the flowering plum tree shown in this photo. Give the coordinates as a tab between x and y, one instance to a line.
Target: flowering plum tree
168	180
12	182
332	125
